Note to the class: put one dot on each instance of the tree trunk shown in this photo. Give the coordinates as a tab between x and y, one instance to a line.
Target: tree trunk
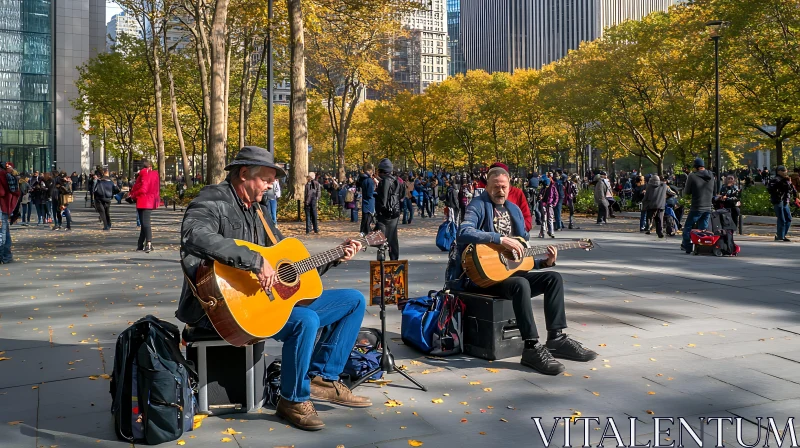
159	112
244	90
173	103
227	93
779	149
299	107
216	137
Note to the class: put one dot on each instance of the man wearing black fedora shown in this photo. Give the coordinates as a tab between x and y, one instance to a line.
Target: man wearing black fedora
230	210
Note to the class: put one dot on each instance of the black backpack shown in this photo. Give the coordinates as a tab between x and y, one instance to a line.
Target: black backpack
391	206
152	386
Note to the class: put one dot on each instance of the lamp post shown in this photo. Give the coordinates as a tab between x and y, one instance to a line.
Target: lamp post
714	28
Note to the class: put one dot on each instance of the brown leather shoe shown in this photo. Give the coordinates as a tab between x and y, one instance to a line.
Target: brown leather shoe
302	415
336	392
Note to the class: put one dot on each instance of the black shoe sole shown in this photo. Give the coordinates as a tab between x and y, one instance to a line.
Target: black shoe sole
563	368
571	358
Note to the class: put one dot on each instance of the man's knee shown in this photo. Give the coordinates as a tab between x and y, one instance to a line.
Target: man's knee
304	320
552	277
355	299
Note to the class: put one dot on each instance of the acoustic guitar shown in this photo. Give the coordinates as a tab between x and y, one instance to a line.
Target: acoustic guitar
489	264
241	311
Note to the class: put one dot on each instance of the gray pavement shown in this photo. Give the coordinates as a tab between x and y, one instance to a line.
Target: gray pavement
678	336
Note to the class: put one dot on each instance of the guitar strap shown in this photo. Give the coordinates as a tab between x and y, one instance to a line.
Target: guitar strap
270	235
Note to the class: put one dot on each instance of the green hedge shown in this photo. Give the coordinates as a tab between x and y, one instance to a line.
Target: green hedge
287	209
585	202
755	201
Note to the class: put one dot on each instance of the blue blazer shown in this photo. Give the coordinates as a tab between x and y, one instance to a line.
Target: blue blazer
478	228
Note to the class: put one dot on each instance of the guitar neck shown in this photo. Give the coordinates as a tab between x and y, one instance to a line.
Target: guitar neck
323	258
541	250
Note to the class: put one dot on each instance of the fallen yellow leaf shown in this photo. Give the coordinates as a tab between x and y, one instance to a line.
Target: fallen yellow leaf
597	394
413	442
34	387
105	376
567	374
3	358
482	433
437	400
650	392
230	431
414	362
93	377
181	442
464	403
692	345
653	359
487	389
650	412
493	370
504	420
15	423
393	403
474	383
602	345
225	439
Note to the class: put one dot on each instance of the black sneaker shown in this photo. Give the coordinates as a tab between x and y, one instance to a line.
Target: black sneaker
778	239
539	359
786	240
568	348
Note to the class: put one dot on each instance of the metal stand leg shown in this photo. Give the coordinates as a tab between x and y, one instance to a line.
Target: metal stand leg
387	359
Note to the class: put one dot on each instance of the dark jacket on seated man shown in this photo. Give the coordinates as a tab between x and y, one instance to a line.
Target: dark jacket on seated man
478	228
212	220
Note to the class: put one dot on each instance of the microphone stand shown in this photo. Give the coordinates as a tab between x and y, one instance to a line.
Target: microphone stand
387	364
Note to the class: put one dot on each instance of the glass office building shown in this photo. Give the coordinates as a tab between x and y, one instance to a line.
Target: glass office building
26	84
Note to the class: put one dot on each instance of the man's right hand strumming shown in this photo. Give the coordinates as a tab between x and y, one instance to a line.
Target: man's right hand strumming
267	277
514	245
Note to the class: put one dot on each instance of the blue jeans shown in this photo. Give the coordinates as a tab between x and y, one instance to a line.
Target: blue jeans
701	218
273	210
26	212
408	211
5	239
558	222
340	311
643	219
784	216
354	214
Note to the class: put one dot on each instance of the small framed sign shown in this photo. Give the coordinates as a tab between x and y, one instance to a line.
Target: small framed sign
395	282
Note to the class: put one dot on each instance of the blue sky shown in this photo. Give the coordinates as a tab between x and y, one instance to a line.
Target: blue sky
111	9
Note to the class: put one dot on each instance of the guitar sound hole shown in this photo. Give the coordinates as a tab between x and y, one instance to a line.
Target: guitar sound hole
287	274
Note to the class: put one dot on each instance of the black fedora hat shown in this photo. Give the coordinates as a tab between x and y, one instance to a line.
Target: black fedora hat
255	155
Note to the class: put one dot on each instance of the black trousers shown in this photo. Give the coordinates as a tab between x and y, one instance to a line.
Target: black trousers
602	212
389	229
145	232
658	216
103	209
311	217
367	222
521	288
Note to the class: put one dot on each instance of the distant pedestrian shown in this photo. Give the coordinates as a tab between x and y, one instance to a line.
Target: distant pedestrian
601	199
61	200
387	206
9	196
312	193
700	186
104	191
781	194
146	193
366	185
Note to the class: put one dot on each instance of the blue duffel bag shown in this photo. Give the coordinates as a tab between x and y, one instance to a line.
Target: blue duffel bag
446	235
420	318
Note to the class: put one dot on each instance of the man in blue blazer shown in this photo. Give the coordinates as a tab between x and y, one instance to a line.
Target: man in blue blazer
490	218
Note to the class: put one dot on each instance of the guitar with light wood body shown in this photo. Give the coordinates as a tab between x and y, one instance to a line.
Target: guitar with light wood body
241	311
489	264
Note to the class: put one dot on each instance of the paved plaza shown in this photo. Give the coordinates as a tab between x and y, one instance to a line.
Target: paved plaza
677	336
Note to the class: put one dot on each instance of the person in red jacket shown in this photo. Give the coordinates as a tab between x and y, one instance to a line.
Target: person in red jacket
146	194
9	196
517	196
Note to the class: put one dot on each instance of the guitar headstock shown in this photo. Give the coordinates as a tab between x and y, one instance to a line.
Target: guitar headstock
374	239
586	244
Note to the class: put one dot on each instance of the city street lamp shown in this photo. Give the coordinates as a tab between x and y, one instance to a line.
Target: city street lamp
714	28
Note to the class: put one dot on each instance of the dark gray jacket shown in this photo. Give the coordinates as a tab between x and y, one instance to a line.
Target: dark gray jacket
211	223
104	190
700	185
655	197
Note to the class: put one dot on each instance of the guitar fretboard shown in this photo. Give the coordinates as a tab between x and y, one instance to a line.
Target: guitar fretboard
323	258
541	250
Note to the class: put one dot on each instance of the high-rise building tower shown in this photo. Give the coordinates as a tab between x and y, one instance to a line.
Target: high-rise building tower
122	23
421	59
41	44
457	64
502	35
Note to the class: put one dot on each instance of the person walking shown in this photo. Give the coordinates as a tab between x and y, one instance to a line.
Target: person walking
601	199
655	199
312	193
25	200
560	180
781	194
366	184
548	199
387	206
146	192
408	200
39	198
729	196
104	191
700	186
61	197
571	193
9	196
272	195
638	198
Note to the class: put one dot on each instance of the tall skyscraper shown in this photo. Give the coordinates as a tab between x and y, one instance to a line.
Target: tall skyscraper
502	35
122	23
41	44
457	64
420	59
